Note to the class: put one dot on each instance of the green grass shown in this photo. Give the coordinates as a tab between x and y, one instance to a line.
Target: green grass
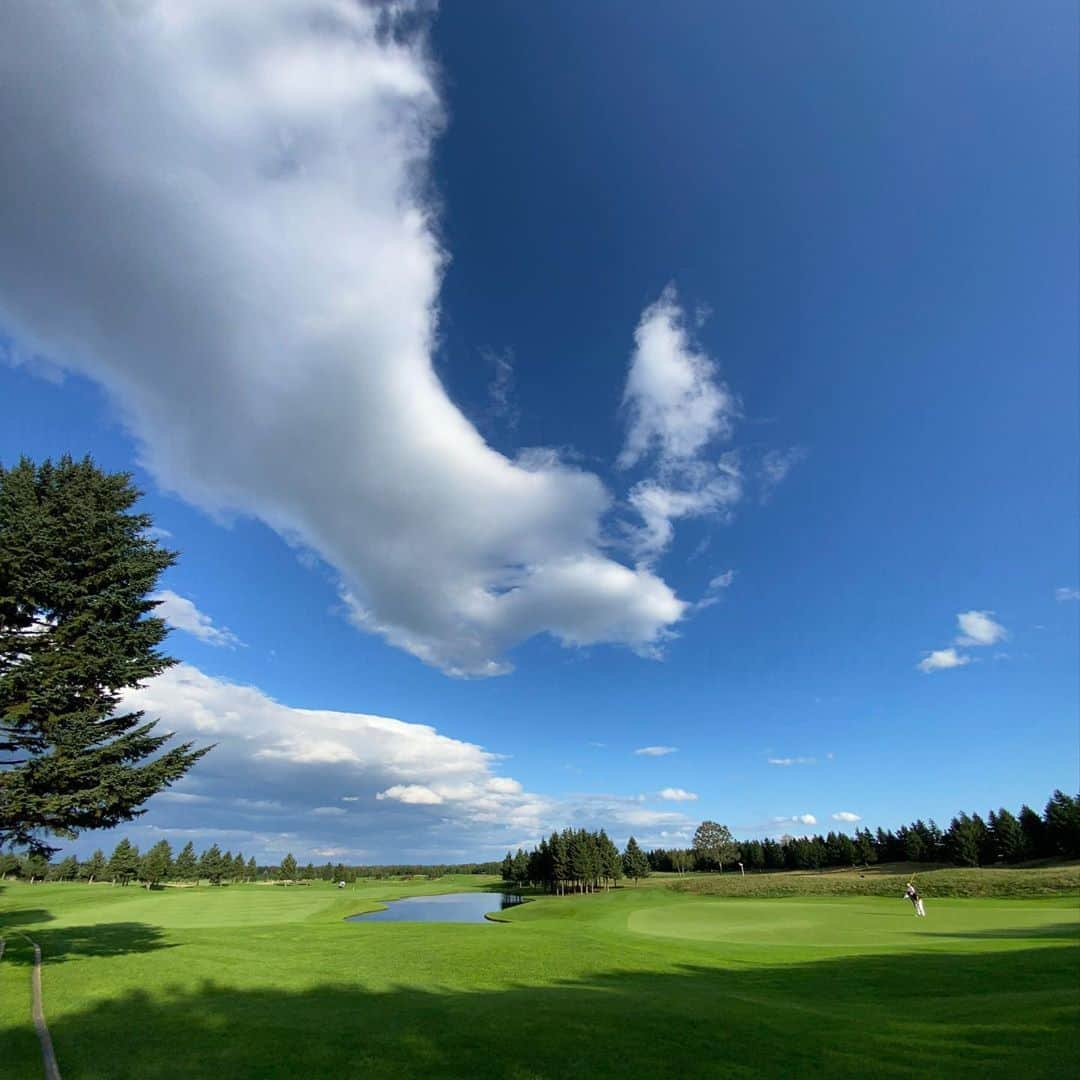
933	881
252	981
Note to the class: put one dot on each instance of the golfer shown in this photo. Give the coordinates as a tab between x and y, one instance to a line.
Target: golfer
916	900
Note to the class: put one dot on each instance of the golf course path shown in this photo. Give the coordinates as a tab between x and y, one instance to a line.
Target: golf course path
48	1054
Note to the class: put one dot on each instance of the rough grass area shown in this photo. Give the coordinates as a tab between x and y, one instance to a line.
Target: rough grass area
639	982
889	880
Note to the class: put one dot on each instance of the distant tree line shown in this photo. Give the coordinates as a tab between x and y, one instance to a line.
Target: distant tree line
158	866
349	874
575	861
969	840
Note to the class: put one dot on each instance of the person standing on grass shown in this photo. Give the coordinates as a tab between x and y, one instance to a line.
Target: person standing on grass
916	900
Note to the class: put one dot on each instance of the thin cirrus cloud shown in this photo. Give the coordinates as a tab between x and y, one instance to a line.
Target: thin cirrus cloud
786	762
1064	594
250	234
655	751
775	466
180	613
978	629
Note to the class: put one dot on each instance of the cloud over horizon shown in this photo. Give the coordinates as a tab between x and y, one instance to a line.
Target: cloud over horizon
374	788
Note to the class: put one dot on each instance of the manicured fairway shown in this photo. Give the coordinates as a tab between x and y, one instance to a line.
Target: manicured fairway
256	981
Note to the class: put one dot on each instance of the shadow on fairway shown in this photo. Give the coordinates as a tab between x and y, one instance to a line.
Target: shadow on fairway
105	939
26	917
1003	1014
1055	930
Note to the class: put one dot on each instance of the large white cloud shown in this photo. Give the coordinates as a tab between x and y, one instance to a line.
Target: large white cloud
218	212
371	788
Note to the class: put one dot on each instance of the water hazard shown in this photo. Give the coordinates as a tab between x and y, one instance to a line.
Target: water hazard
450	907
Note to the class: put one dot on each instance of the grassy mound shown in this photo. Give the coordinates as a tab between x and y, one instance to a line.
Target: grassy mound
990	882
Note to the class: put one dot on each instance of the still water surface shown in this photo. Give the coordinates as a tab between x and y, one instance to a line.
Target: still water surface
450	907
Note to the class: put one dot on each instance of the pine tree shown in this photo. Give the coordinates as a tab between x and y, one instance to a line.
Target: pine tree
94	867
1062	818
520	868
1034	830
156	864
963	840
186	867
1008	836
288	869
67	869
635	865
914	846
210	865
124	862
34	866
76	569
611	868
252	871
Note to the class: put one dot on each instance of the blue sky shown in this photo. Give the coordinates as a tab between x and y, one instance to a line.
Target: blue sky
572	379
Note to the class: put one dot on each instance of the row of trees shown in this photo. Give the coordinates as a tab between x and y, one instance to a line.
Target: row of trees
158	865
575	860
969	840
126	865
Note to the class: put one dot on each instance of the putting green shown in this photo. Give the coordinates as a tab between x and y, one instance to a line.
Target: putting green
869	924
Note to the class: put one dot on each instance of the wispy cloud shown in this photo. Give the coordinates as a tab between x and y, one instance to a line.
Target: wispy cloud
775	466
655	751
714	593
676	407
678	794
502	406
785	761
795	819
1064	594
846	816
181	614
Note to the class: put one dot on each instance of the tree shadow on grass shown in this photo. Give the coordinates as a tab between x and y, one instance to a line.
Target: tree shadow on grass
1001	1014
23	917
64	943
1055	930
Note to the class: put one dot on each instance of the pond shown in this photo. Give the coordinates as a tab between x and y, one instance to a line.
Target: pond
450	907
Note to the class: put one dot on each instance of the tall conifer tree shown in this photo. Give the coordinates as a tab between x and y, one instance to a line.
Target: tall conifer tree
76	570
